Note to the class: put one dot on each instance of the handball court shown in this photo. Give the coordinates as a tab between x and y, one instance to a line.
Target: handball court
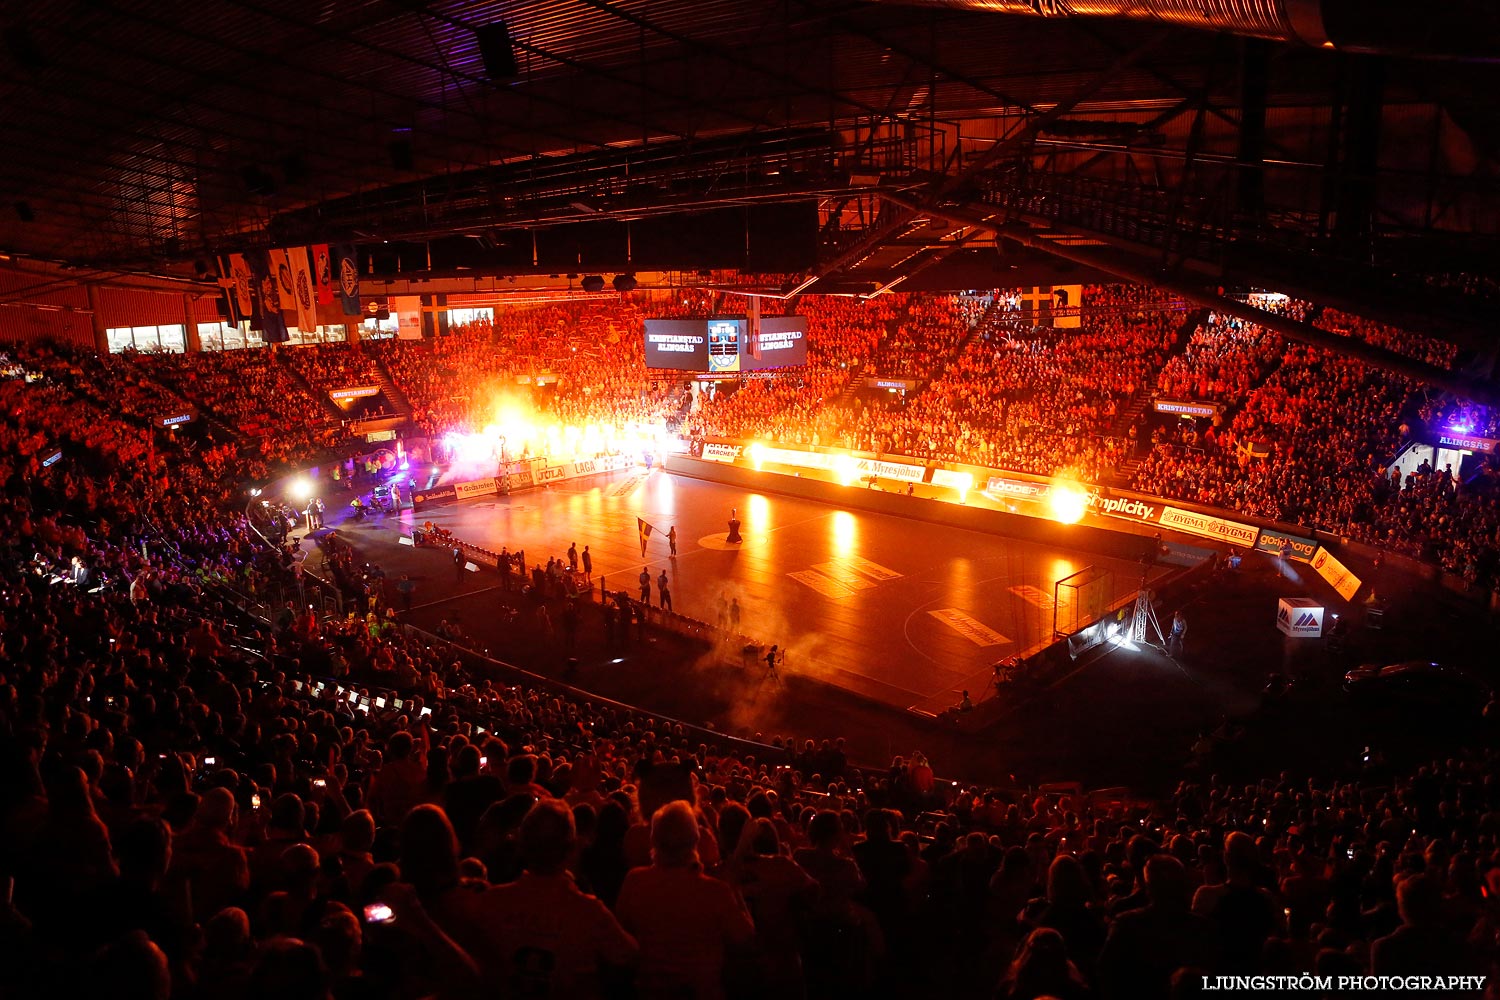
895	610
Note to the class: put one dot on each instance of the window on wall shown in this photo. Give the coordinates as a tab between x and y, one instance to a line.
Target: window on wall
170	339
458	317
228	336
322	335
381	329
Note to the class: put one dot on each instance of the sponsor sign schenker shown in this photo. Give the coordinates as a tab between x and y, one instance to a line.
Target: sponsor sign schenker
1232	532
1279	543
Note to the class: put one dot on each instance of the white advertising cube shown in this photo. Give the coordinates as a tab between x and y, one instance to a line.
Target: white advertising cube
1301	617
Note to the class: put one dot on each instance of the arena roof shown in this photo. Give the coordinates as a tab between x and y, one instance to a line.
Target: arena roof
151	134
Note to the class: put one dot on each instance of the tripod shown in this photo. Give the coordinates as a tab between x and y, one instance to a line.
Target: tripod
1143	625
774	659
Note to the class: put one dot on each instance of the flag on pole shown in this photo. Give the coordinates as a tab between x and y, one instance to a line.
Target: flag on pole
644	530
244	289
346	267
267	301
231	304
1067	306
323	272
304	290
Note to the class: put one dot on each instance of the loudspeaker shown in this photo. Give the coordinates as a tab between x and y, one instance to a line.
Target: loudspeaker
24	212
401	155
592	283
257	181
22	47
496	51
294	168
624	283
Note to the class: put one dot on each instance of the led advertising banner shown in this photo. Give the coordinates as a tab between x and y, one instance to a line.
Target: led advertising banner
678	344
726	346
782	343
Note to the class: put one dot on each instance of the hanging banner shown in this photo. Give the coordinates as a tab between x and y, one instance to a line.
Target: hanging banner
230	306
267	301
322	265
1335	573
346	267
244	292
408	310
304	290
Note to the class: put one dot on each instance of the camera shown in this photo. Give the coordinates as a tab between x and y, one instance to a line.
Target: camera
379	913
255	801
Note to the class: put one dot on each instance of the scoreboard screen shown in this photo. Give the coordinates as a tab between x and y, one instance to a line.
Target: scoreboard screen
726	345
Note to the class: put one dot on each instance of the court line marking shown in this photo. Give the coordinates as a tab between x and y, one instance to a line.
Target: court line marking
969	627
871	569
827	586
1032	594
843	574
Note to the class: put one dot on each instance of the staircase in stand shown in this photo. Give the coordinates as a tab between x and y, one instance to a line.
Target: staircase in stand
1130	415
329	406
856	378
204	413
393	394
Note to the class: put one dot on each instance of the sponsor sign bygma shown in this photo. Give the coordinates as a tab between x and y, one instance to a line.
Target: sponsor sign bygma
1193	523
1300	617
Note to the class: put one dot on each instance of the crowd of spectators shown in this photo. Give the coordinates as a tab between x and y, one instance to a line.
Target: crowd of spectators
800	407
1310	445
256	393
930	328
1046	402
200	803
1224	359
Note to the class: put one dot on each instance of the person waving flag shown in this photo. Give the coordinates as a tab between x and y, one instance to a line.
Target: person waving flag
644	530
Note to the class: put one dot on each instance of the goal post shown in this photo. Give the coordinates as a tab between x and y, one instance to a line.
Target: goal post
1081	599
